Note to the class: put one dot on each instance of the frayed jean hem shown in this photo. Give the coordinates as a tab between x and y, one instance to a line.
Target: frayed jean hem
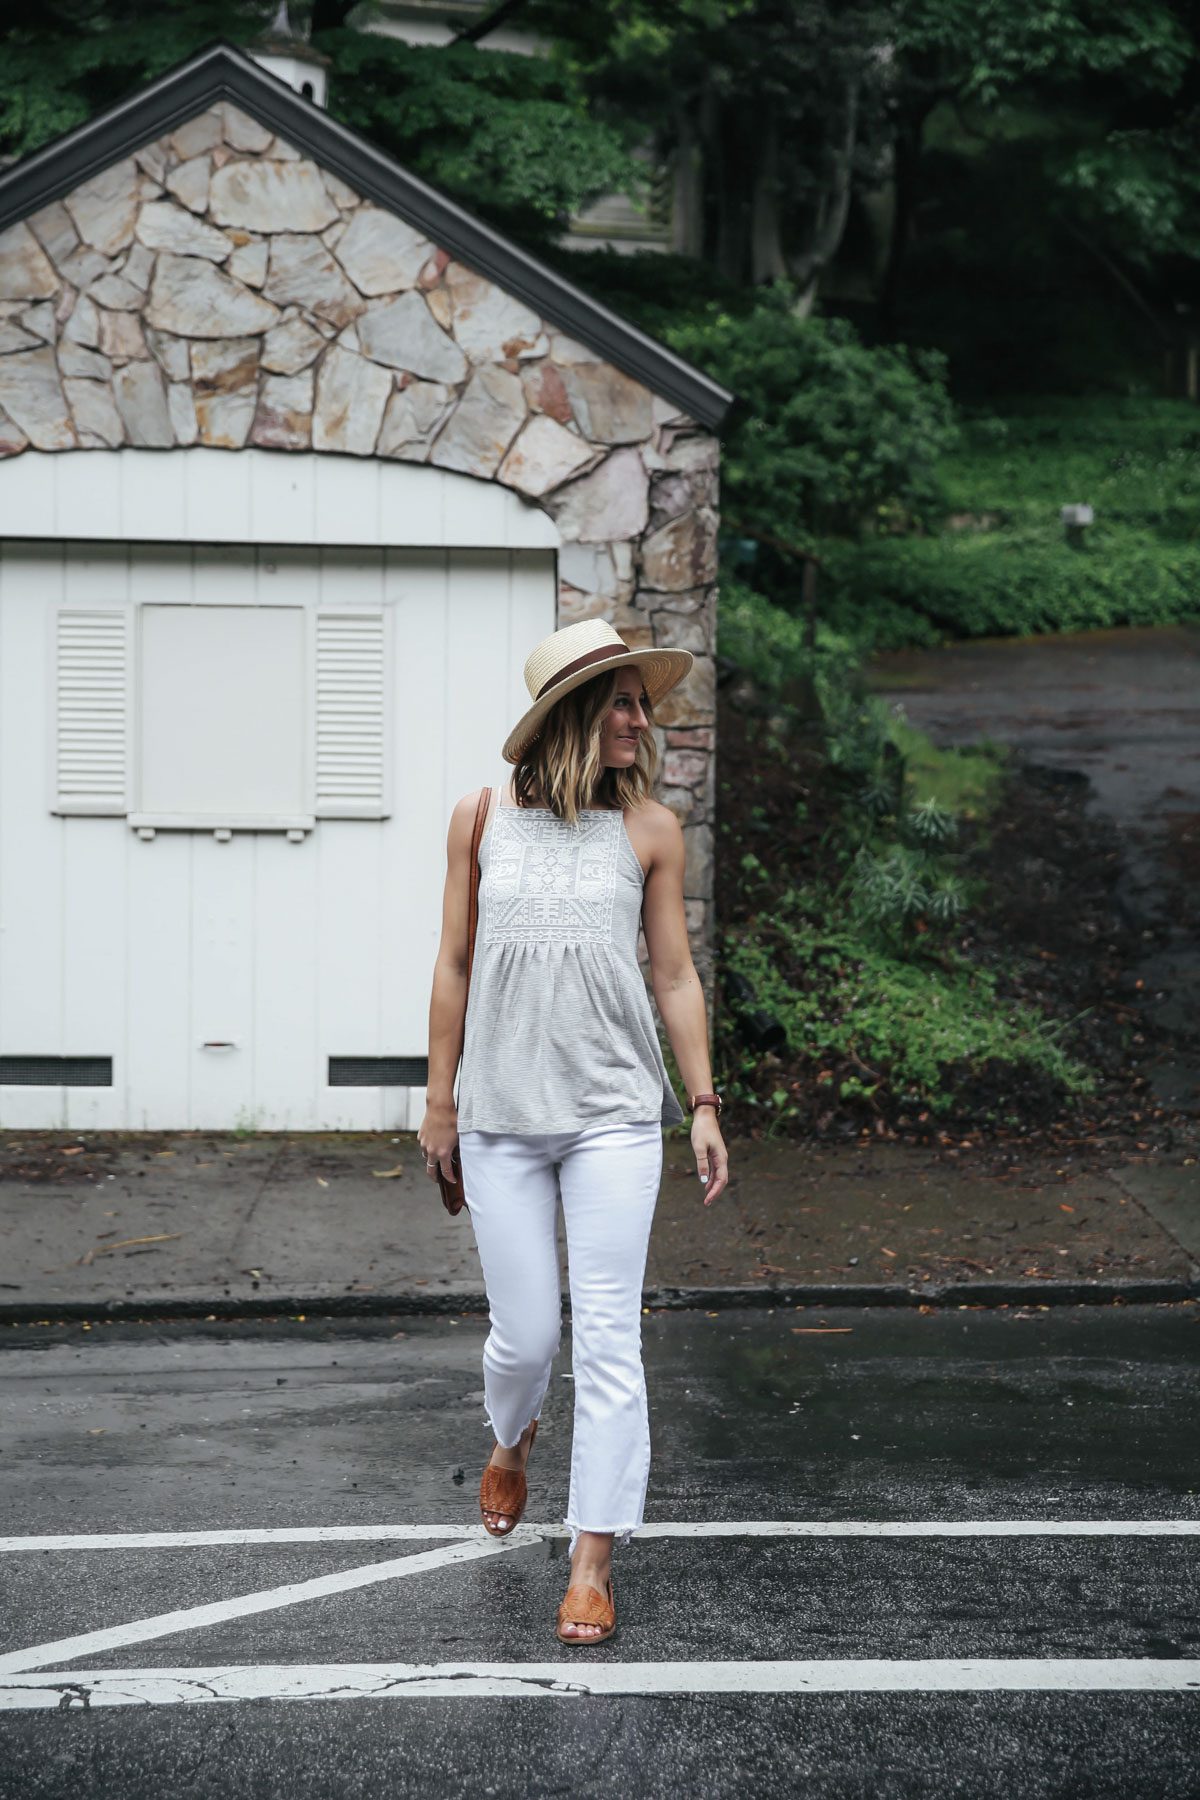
490	1426
621	1534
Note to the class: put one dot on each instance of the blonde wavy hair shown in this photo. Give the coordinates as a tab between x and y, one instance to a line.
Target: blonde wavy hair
562	765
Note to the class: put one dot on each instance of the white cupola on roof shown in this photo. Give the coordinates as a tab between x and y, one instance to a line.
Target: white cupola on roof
283	53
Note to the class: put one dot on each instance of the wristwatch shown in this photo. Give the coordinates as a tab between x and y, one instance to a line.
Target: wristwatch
696	1100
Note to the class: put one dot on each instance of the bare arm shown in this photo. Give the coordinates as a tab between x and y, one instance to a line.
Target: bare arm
677	990
438	1135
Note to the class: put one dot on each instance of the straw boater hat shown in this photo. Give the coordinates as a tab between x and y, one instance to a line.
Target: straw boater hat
568	658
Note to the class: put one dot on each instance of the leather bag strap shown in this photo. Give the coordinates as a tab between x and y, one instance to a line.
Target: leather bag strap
481	812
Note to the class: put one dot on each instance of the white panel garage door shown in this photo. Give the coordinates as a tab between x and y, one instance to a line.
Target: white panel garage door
349	696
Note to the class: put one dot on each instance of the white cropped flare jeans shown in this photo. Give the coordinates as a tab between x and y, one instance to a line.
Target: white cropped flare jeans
608	1177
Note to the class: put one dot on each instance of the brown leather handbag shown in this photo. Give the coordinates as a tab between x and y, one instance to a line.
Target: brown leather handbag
453	1196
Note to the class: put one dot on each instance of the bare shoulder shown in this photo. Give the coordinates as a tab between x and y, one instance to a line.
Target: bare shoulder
660	820
466	807
655	832
462	819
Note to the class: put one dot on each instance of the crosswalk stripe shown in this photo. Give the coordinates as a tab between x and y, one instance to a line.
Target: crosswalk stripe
218	1612
718	1528
64	1689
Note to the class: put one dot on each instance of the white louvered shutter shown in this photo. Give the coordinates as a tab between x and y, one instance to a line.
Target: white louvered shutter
91	711
351	694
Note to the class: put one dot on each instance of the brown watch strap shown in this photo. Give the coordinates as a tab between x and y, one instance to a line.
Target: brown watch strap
706	1100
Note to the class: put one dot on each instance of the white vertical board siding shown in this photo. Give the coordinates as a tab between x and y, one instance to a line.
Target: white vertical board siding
94	997
416	588
146	951
351	912
222	951
289	1066
479	643
527	614
152	1074
156	1072
289	1069
31	864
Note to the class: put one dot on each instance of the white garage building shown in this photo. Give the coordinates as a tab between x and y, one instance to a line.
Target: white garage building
297	460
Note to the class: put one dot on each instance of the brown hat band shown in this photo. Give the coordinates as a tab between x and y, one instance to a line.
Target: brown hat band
606	653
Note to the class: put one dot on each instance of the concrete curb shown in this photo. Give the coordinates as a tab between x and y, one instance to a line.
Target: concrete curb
669	1299
1152	1292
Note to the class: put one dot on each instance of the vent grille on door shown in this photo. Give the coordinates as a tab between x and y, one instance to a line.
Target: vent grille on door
350	715
56	1071
379	1071
90	697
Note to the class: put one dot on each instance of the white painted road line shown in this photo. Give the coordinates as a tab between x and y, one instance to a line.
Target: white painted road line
67	1689
930	1528
763	1528
193	1618
302	1534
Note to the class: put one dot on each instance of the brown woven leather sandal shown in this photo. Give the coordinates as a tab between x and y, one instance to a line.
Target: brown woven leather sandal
585	1605
504	1491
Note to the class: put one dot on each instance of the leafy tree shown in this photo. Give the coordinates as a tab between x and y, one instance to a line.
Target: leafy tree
1095	86
832	437
511	134
771	109
68	59
779	114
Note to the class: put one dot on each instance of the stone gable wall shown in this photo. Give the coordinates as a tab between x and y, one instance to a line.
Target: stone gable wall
218	288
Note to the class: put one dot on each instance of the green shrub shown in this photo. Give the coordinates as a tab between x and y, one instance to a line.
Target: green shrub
770	644
1008	569
829	432
899	591
912	1026
1136	461
908	881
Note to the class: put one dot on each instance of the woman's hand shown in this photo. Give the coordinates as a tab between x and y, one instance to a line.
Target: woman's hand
712	1158
438	1138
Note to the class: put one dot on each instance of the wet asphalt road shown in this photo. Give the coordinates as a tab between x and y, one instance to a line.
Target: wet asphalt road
969	1416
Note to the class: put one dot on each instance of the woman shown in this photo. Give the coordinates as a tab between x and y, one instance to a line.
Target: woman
563	1091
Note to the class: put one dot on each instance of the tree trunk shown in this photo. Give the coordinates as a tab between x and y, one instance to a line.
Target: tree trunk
905	179
767	261
829	227
727	162
687	218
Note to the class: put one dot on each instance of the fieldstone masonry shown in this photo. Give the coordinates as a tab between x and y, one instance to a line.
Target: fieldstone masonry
219	288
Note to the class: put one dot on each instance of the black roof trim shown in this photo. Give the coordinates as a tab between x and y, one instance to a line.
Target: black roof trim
222	72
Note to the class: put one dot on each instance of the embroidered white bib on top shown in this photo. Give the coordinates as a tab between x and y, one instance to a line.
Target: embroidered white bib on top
559	1029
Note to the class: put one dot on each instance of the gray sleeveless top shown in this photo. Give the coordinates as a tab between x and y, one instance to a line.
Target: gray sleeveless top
559	1033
